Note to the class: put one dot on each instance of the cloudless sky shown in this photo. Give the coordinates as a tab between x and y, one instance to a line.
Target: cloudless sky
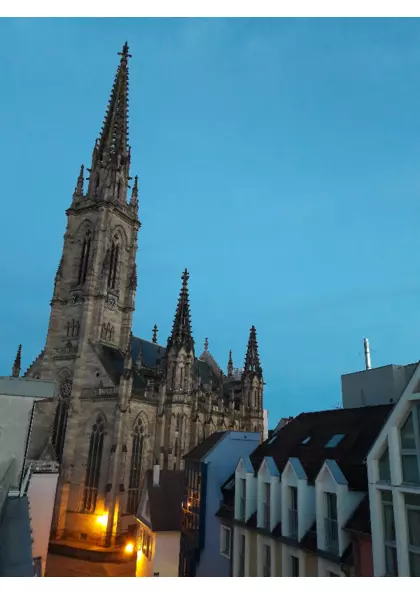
278	160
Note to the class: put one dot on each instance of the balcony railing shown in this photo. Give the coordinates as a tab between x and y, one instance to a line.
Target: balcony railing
331	535
293	523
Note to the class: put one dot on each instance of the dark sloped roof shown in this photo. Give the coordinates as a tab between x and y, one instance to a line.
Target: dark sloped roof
202	449
360	427
16	539
165	500
360	520
152	358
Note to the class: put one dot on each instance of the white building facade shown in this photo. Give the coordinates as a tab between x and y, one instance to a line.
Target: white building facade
394	488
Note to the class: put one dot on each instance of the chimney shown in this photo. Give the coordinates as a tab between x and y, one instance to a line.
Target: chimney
156	474
367	354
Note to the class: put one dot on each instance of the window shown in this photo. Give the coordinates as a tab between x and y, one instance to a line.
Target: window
412	504
241	568
335	440
135	467
306	440
84	258
331	524
242	498
266	506
266	561
294	566
93	467
293	512
391	564
225	541
410	447
384	467
60	421
113	264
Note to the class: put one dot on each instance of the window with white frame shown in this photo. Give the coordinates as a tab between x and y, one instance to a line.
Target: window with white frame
242	498
241	564
412	506
293	512
410	447
331	524
391	565
225	534
266	505
384	467
294	566
266	560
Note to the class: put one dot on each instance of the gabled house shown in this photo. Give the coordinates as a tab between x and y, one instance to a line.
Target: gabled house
206	538
394	488
298	494
159	517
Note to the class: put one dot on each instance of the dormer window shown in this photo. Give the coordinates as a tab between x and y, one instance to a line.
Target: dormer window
242	498
306	441
335	440
266	506
331	524
293	512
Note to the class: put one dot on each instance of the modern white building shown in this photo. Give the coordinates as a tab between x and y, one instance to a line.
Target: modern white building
394	488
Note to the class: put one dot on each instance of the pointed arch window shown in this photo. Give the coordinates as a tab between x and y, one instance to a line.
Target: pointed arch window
96	444
135	467
176	453
113	264
84	257
60	420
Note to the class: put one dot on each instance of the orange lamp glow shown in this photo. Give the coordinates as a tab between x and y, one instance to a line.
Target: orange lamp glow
129	548
102	520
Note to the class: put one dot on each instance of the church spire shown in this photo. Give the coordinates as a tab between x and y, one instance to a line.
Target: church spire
181	331
252	359
230	365
17	363
109	174
113	141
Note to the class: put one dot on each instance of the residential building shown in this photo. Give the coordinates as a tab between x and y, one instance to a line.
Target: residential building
205	539
394	488
27	487
300	498
159	517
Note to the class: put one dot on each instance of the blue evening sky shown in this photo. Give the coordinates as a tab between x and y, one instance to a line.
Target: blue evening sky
279	160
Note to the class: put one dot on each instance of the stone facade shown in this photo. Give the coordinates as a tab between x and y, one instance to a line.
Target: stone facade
123	403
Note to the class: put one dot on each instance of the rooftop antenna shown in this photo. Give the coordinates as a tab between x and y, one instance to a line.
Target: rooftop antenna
368	363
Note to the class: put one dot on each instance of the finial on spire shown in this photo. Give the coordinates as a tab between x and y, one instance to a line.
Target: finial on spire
181	331
155	334
17	363
230	365
206	344
252	359
78	191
